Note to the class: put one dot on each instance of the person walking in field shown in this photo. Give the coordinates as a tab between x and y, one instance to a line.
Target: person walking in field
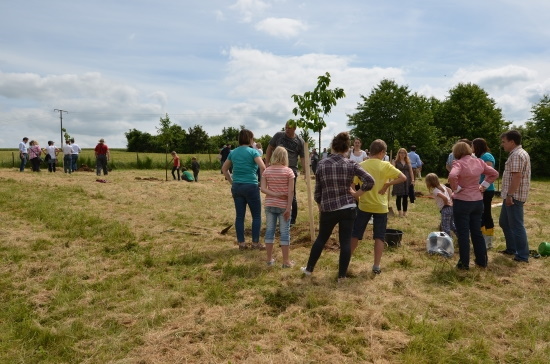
67	157
34	154
52	151
401	190
294	145
278	184
244	187
336	201
74	156
374	203
516	181
464	179
23	154
175	165
102	155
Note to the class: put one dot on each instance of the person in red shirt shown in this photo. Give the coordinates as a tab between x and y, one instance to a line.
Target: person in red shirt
101	157
176	165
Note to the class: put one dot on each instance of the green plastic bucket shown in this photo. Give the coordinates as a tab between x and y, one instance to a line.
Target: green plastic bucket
544	249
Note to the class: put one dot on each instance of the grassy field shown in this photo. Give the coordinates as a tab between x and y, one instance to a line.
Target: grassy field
121	159
136	270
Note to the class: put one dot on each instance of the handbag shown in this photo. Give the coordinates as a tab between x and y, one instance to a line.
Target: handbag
48	157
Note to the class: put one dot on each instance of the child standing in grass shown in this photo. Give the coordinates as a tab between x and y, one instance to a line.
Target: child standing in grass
443	200
277	182
195	166
176	165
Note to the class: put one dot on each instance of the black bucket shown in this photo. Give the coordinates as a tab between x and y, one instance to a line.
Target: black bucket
393	237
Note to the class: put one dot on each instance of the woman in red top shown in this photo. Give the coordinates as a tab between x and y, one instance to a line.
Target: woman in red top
176	166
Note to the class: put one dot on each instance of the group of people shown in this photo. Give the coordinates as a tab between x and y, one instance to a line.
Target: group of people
351	186
185	174
70	151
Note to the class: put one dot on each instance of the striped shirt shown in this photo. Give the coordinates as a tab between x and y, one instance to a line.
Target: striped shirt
333	180
277	178
518	162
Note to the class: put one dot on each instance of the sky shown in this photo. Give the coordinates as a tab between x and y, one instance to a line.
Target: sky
121	65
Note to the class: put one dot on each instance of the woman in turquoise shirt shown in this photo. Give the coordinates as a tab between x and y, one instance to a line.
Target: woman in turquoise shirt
245	161
481	150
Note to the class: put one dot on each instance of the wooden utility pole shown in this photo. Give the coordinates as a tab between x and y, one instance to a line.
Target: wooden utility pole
61	119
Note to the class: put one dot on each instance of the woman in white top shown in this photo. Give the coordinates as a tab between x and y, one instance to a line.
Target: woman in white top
357	154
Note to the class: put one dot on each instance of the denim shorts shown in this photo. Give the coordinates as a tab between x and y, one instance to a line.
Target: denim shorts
361	221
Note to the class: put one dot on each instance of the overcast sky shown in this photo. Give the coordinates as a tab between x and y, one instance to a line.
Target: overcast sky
119	65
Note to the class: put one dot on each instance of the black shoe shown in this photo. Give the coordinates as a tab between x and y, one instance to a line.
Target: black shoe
520	260
507	252
461	266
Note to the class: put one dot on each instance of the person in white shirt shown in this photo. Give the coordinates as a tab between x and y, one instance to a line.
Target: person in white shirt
74	155
23	154
67	157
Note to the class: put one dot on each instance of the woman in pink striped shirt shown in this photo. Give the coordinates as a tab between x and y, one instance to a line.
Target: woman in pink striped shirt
468	202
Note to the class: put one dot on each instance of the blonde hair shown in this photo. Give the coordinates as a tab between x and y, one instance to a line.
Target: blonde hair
432	182
407	160
461	149
173	152
280	156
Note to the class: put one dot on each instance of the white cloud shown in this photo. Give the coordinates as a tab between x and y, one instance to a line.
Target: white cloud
495	78
281	27
249	9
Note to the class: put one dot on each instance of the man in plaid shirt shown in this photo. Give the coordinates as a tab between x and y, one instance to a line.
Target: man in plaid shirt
515	188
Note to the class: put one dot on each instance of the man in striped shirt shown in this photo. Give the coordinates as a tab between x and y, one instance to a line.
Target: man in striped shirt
515	188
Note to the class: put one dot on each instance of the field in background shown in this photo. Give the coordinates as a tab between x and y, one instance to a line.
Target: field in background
136	270
121	159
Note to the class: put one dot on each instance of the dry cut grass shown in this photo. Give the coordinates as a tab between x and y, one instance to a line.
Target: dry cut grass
135	270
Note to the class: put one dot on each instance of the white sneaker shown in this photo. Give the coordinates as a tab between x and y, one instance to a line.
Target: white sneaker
305	271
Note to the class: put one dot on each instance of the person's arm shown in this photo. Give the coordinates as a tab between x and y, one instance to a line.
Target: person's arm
512	189
265	189
108	153
400	179
260	164
443	197
268	153
225	170
453	176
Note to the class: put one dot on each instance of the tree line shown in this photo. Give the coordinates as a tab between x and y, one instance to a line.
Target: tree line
397	115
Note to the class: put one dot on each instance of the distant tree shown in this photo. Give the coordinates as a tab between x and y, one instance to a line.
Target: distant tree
391	113
231	134
536	136
469	112
170	136
196	141
314	105
139	141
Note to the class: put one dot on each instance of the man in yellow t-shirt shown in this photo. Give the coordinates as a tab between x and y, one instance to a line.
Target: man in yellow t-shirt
374	203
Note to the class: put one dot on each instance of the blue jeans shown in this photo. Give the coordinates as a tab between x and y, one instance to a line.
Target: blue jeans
467	216
247	194
511	222
24	158
74	159
67	163
327	220
272	214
